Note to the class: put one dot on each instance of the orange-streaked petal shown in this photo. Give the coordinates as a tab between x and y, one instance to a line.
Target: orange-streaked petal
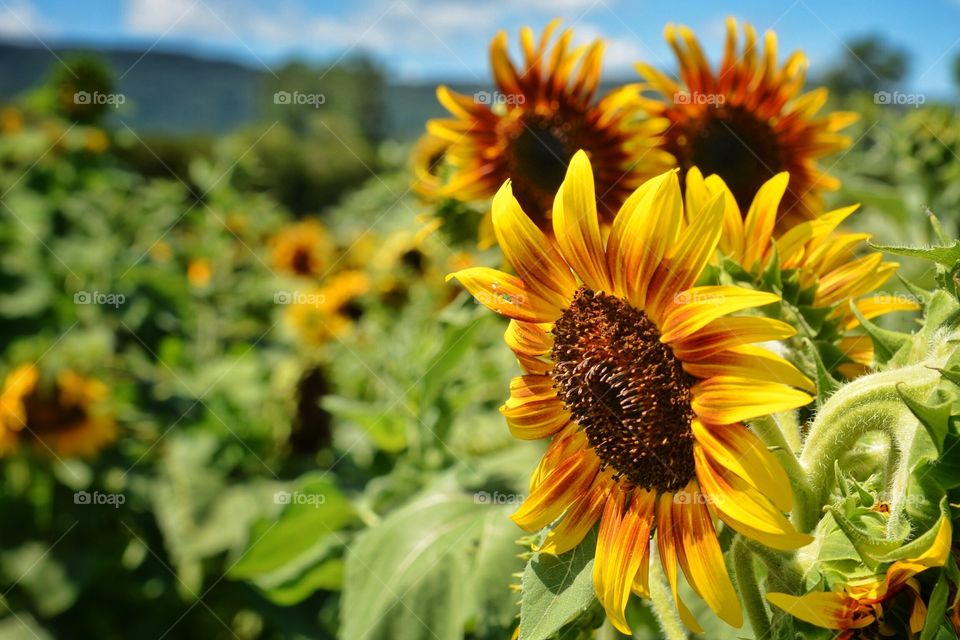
724	333
750	361
827	610
506	294
667	548
532	256
564	485
725	400
581	517
577	227
694	308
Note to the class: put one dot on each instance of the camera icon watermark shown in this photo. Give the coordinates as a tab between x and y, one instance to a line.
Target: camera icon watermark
299	298
897	98
314	100
114	300
97	498
96	97
491	98
299	497
686	497
699	97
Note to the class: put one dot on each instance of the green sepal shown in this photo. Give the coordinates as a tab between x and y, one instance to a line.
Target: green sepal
935	418
948	256
885	342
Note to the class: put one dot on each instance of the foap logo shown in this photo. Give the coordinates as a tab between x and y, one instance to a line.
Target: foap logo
900	99
296	297
97	498
485	497
314	100
698	97
101	298
686	497
299	497
97	97
491	98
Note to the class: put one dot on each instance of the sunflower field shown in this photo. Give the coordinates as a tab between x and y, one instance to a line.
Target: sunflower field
675	356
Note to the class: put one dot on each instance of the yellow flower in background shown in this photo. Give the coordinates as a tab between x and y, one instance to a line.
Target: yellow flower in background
831	267
425	163
747	120
64	423
861	604
329	311
542	112
199	272
641	381
11	120
303	249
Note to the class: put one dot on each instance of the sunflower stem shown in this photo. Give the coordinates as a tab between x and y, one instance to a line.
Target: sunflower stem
868	404
664	610
770	433
746	578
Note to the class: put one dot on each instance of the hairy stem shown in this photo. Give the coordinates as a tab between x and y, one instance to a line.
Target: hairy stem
746	578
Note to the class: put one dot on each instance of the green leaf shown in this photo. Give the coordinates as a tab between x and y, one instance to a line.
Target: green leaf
946	256
557	590
456	345
408	578
386	428
936	608
826	383
316	509
885	342
935	418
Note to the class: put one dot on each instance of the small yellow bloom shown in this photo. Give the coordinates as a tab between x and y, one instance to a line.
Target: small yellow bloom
304	249
327	312
199	272
66	422
860	604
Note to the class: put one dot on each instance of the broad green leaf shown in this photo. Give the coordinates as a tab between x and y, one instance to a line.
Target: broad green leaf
407	578
936	608
383	424
315	510
556	590
946	256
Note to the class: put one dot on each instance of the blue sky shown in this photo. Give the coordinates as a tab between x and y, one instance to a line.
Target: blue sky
429	40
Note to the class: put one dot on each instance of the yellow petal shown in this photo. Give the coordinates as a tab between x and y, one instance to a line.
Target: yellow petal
577	227
506	294
564	485
745	509
735	448
724	333
626	540
643	231
762	218
702	560
667	548
694	308
827	610
579	520
533	257
749	361
725	400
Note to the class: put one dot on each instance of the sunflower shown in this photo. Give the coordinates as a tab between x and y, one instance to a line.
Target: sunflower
641	382
826	269
859	605
303	249
328	311
540	114
65	422
747	121
426	160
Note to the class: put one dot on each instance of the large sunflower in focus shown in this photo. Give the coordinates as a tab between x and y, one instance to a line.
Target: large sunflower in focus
64	421
541	113
821	270
641	381
747	121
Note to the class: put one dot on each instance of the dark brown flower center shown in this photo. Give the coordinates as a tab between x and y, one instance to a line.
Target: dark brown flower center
302	261
626	390
736	145
47	414
539	152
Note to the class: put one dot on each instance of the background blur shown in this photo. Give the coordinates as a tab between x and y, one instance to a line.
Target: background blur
206	214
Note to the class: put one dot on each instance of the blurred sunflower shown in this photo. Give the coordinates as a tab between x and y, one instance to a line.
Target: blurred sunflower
642	383
541	113
425	163
822	268
857	606
329	311
65	422
748	120
303	249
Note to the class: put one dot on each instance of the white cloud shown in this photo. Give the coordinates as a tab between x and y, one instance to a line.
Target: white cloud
19	19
